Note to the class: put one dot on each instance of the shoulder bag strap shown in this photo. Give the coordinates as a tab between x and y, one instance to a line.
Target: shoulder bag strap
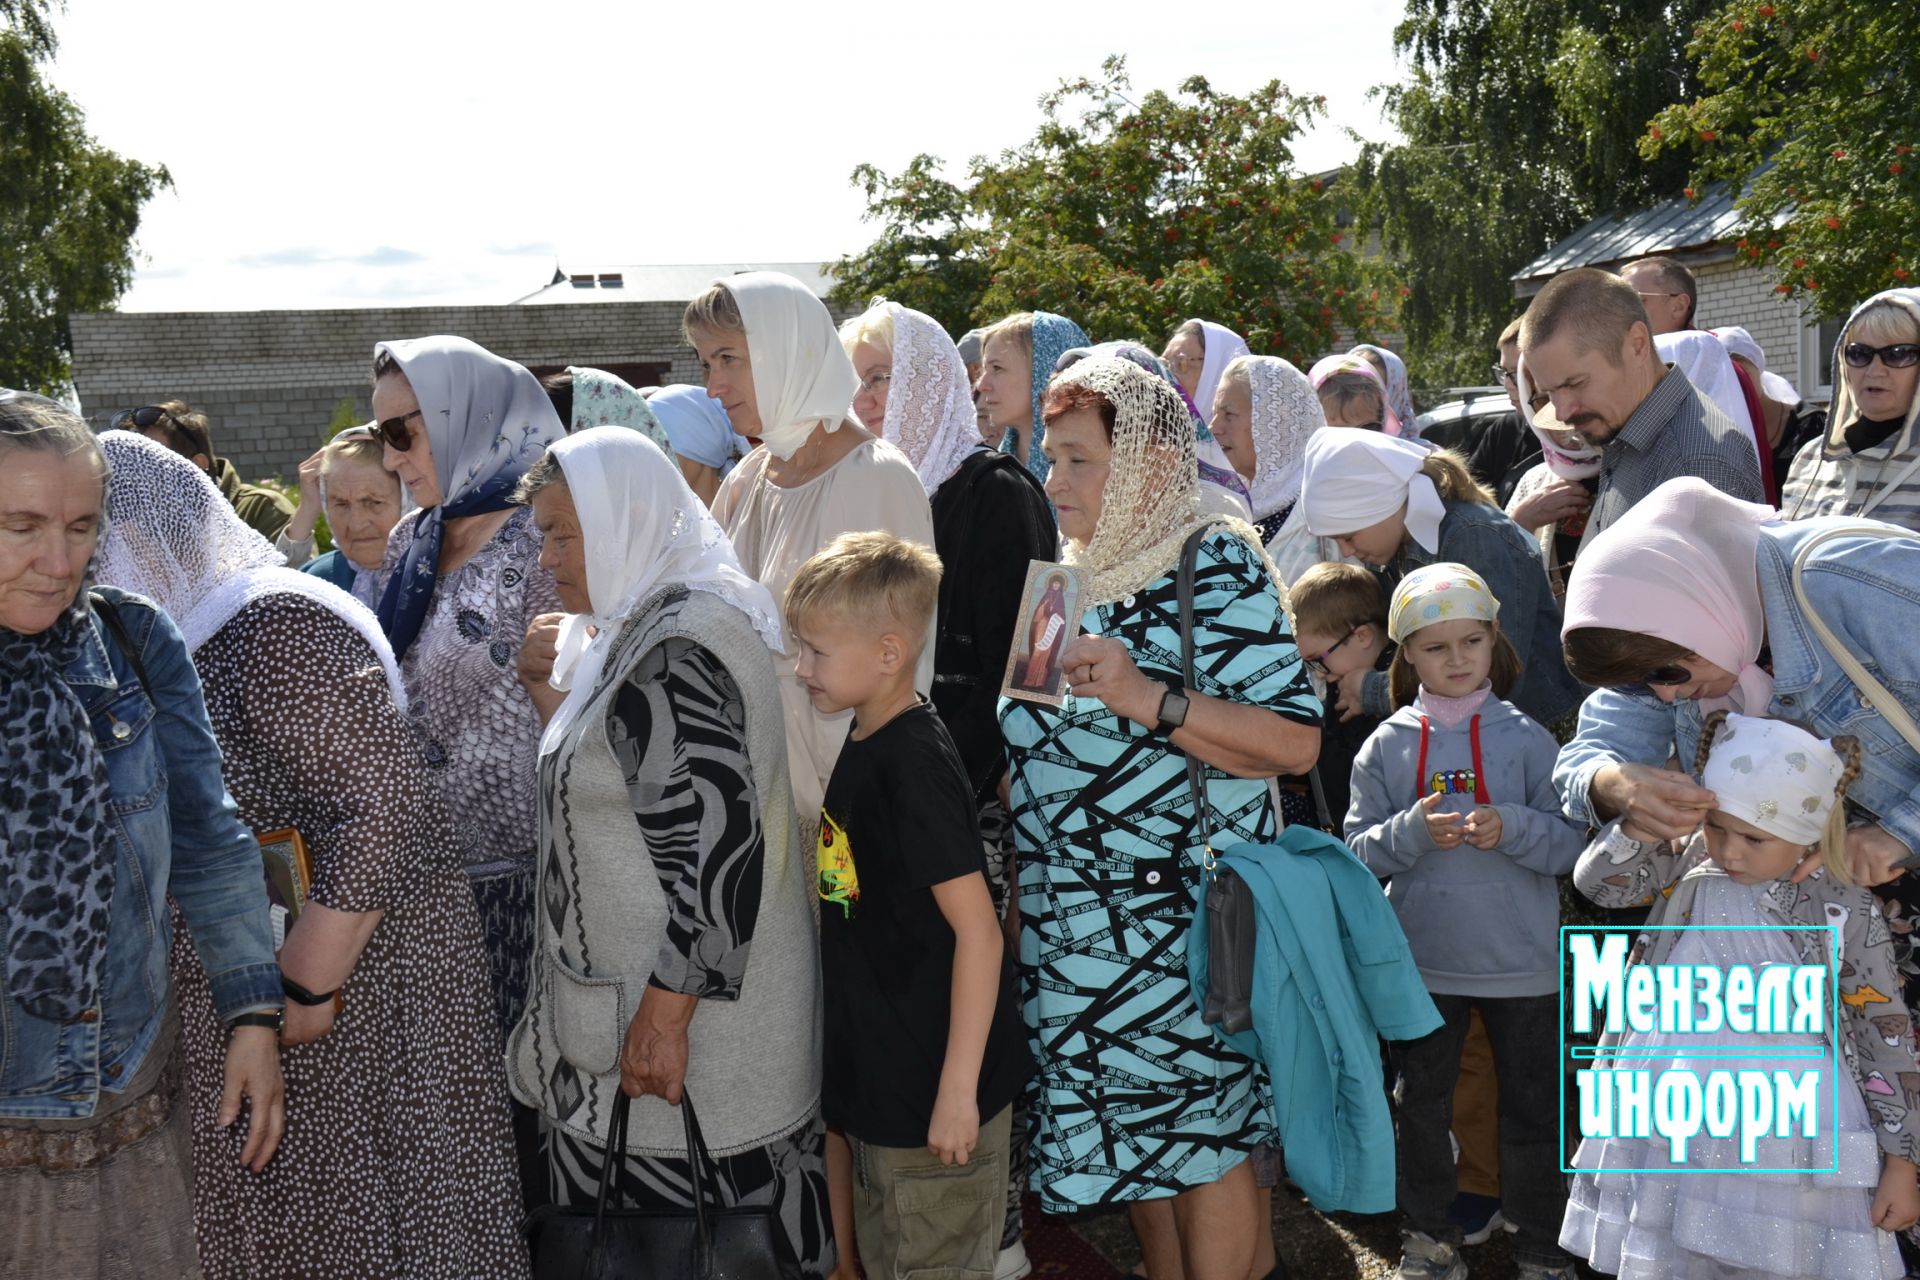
1876	693
1184	588
111	616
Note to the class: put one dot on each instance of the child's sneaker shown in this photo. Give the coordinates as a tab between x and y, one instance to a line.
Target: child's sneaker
1540	1271
1478	1217
1424	1258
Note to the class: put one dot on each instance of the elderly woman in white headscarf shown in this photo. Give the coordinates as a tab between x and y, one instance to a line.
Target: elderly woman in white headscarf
1102	820
392	1049
774	360
1198	354
463	580
1397	505
687	975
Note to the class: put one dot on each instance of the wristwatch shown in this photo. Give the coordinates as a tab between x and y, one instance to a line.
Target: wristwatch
276	1019
300	995
1173	708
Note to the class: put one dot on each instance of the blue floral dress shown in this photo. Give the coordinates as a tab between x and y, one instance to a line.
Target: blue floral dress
1135	1097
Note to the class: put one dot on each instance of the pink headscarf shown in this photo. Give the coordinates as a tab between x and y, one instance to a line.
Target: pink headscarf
1327	366
1681	566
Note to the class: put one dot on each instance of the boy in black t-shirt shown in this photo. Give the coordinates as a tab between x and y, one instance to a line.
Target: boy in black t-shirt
924	1046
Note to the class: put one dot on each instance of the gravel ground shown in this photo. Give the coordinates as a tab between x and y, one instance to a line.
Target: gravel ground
1315	1246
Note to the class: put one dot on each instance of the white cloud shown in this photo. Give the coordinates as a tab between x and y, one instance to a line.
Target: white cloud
355	152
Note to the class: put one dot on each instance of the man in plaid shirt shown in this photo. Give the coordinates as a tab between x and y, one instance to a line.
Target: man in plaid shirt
1589	347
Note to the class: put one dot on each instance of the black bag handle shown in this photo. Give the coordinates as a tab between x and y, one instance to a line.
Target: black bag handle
1183	591
703	1176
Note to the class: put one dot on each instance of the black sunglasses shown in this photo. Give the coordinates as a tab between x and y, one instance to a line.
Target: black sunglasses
396	433
1901	355
143	418
1671	674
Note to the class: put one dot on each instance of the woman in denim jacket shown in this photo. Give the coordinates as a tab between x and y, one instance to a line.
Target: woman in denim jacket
110	800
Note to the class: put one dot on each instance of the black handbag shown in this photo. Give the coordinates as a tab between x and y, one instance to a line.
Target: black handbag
1232	921
705	1242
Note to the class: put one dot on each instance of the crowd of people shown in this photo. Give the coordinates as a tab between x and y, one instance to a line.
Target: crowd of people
646	748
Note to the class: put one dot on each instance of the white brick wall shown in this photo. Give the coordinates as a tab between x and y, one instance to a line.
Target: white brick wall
1738	293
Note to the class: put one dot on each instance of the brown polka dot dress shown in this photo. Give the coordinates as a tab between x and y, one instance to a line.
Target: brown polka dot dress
397	1160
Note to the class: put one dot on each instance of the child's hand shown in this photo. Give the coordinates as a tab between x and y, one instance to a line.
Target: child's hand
1444	829
1483	827
1896	1202
955	1130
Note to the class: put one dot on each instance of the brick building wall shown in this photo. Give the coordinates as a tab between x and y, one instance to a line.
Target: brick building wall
1734	293
270	380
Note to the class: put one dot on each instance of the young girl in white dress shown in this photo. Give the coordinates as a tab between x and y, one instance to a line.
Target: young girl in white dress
1779	791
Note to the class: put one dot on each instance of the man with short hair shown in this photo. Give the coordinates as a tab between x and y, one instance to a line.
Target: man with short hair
187	432
1666	290
1589	349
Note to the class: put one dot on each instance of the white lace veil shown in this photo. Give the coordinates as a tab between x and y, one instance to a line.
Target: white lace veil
644	531
929	406
1285	414
174	539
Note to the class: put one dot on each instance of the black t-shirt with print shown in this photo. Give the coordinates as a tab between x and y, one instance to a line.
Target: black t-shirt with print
899	819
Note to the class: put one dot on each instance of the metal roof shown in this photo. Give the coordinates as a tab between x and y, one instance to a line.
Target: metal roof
653	282
1672	226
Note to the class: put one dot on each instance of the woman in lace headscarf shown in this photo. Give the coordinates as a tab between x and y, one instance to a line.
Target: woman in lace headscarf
1263	414
677	952
111	776
1124	485
1017	356
396	1092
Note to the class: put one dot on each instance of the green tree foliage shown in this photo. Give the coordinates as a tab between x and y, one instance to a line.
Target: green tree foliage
68	209
1521	121
1812	112
1129	217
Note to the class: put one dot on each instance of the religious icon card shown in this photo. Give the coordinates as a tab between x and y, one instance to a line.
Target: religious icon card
1049	617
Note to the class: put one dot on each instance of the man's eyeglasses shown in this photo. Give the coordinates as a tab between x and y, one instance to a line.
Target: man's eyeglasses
395	433
1318	663
1504	375
1901	355
1643	293
144	418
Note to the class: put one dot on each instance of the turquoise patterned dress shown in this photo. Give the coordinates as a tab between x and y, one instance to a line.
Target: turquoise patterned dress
1135	1097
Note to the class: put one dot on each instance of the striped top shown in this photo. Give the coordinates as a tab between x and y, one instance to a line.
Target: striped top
1829	479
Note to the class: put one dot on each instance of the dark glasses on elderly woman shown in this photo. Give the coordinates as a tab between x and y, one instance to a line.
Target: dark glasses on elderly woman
395	432
1900	355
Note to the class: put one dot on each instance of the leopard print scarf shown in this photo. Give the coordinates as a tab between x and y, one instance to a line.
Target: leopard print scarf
56	863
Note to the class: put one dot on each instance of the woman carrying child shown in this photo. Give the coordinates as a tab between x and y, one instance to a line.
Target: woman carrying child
1778	800
1453	798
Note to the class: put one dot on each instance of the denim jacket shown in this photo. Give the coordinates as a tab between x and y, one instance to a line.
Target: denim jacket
1507	558
175	831
1866	588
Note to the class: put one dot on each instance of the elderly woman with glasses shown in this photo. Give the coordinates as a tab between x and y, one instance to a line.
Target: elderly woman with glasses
1868	464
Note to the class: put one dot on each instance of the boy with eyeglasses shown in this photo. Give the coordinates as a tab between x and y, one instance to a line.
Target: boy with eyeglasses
1340	624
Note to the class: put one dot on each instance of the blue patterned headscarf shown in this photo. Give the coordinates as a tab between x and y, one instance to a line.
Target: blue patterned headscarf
488	420
1052	335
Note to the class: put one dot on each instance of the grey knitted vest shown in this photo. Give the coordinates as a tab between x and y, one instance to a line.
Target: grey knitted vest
753	1064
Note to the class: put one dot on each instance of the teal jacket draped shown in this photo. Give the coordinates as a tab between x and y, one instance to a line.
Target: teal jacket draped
1333	976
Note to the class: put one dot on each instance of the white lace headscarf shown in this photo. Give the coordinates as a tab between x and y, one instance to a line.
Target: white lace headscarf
930	413
644	531
1285	413
175	540
1152	497
1222	346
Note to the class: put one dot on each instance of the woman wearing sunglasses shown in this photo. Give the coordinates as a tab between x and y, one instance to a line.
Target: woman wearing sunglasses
1869	462
463	581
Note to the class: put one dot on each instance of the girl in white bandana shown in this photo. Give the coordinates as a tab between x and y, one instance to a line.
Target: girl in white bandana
1779	795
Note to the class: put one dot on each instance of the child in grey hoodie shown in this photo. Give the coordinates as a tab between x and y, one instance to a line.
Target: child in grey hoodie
1453	798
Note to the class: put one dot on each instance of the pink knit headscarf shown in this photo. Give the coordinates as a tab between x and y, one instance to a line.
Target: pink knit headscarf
1681	566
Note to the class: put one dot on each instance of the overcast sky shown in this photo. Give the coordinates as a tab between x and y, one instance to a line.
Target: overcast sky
353	153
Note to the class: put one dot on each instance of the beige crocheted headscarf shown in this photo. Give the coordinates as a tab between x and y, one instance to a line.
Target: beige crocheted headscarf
1152	497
